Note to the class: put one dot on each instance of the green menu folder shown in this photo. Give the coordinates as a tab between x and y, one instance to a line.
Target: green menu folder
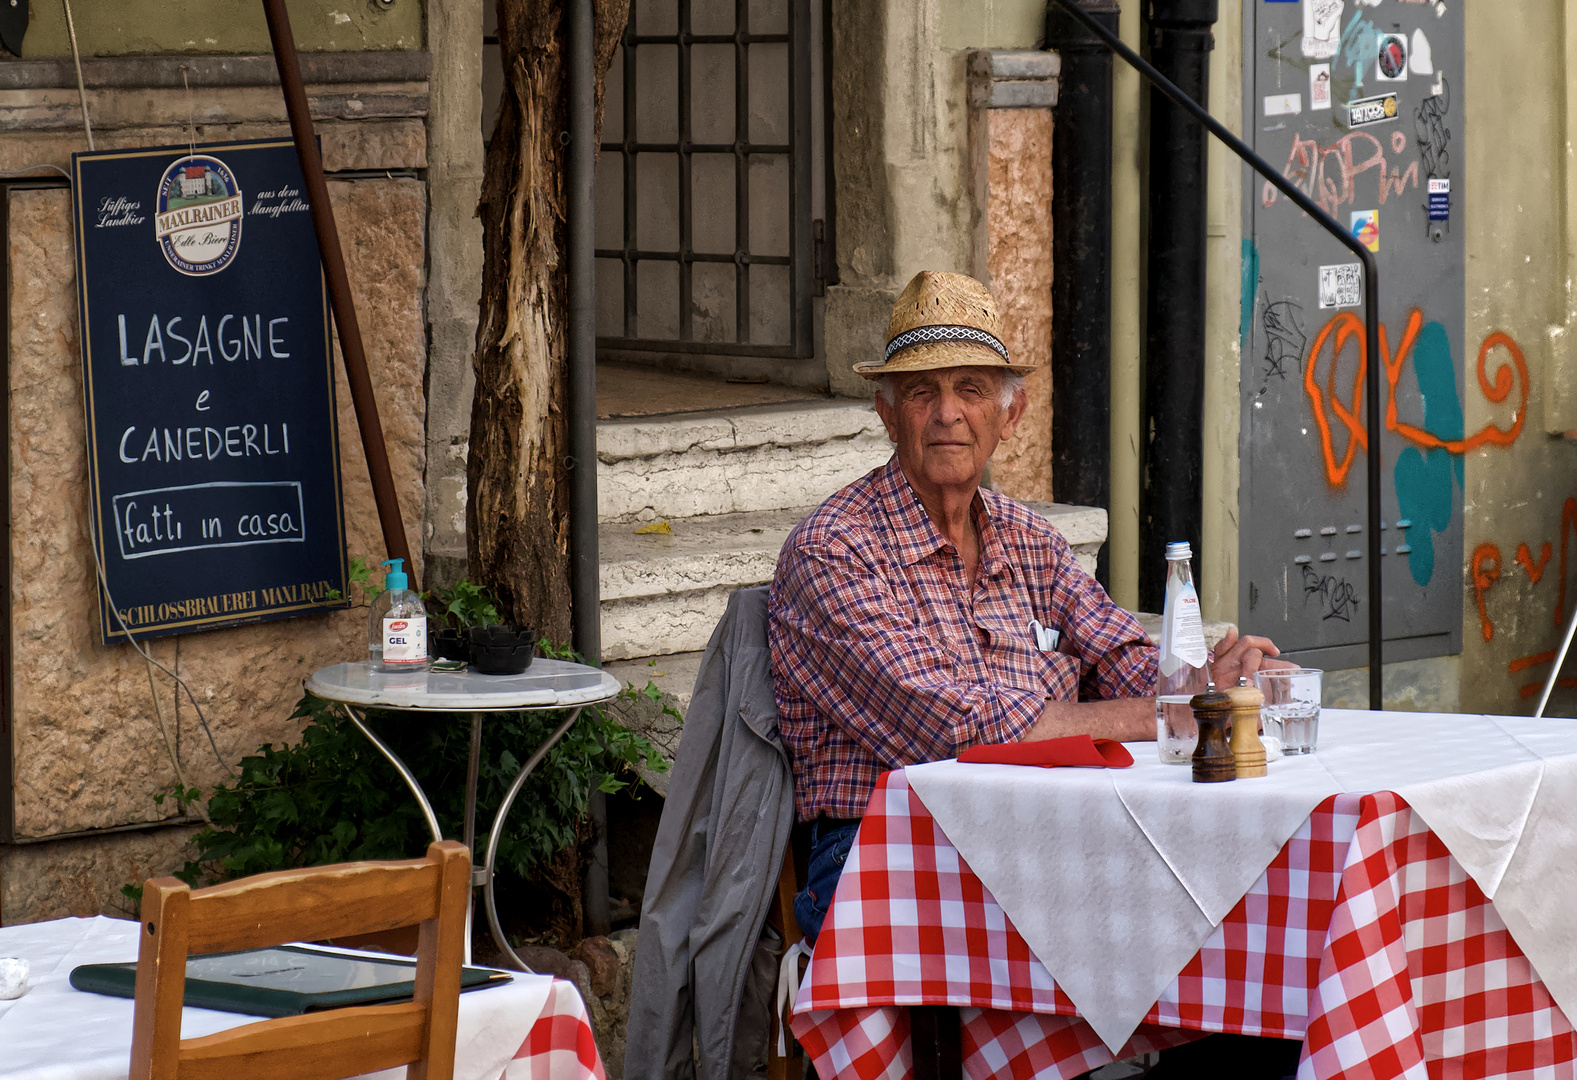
283	981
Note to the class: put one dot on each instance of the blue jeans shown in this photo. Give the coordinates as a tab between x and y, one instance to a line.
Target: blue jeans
829	850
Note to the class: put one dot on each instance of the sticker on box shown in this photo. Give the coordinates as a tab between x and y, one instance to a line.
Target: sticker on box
1439	199
1319	86
1372	110
1322	28
1341	285
1366	228
1283	104
1390	63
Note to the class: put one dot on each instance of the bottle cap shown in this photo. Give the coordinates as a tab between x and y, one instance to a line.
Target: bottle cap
395	578
1178	549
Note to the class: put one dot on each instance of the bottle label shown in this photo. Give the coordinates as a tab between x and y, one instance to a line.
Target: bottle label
405	641
1182	630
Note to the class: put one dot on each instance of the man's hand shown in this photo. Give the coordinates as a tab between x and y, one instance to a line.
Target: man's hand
1237	656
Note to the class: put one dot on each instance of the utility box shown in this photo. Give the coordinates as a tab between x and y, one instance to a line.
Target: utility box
1361	107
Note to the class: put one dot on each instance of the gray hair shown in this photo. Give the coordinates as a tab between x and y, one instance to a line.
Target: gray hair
1012	383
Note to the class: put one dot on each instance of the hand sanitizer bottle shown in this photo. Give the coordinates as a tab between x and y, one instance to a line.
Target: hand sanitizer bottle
397	625
1183	672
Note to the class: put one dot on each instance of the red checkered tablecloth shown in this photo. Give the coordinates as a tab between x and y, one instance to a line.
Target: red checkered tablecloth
1364	938
560	1045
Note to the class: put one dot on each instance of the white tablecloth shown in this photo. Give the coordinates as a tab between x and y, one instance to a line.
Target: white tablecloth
54	1032
1115	878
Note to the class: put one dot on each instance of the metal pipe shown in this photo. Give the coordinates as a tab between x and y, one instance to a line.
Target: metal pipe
585	594
1081	205
344	307
1172	396
399	767
582	150
1371	303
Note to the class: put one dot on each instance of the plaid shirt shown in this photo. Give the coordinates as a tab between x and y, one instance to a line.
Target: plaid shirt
884	656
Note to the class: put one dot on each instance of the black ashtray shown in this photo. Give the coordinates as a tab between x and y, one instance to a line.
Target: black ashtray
451	644
501	648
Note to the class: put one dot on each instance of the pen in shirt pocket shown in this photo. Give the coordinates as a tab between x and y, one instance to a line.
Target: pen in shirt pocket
1045	637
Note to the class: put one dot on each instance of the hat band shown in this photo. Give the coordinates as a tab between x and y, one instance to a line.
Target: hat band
930	335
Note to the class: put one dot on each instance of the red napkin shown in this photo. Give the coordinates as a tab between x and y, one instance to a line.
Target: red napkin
1072	750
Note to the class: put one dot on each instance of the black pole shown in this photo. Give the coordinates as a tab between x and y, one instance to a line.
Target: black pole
1172	394
585	594
1081	245
1371	302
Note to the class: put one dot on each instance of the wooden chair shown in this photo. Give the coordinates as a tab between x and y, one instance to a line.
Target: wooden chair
306	905
781	917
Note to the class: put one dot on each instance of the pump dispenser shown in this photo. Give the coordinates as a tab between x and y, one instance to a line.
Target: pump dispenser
397	625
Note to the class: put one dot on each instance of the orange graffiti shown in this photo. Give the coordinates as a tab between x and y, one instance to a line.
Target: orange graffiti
1484	577
1525	557
1346	326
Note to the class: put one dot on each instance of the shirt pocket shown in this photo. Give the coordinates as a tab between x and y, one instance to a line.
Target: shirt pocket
1023	666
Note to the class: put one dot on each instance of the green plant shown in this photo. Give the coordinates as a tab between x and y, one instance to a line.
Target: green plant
465	604
361	572
332	797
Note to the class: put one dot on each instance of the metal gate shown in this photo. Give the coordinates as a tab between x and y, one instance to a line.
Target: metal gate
1360	102
705	185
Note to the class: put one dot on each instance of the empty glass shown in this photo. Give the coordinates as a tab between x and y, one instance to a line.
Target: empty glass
1292	707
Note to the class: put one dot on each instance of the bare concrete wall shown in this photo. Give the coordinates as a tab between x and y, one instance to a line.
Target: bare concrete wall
1519	499
129	27
454	259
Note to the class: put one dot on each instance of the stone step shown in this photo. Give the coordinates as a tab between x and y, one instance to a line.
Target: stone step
663	594
767	457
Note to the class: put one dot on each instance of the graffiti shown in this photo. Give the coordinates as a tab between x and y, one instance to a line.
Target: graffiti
1337	597
1525	557
1484	576
1486	571
1326	402
1434	138
1329	174
1284	338
1359	49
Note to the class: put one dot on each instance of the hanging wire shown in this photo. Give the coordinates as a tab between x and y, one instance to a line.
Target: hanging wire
76	58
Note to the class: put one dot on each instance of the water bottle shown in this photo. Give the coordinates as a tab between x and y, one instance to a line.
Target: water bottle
1183	671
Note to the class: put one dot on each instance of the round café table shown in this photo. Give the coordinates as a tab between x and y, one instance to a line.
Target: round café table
546	684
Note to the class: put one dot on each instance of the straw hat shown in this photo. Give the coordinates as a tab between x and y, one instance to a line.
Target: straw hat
940	321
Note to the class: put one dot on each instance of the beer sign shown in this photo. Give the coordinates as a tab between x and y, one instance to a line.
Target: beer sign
214	452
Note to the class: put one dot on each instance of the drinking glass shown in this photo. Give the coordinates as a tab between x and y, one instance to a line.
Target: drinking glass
1292	707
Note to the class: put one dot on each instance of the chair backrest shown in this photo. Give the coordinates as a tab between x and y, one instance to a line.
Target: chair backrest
306	905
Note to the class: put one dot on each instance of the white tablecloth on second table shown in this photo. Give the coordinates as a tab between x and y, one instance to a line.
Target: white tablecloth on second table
1115	878
55	1032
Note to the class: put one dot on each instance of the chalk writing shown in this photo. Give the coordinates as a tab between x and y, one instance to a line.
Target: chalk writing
1329	174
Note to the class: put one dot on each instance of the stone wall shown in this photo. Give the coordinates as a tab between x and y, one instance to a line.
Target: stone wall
87	750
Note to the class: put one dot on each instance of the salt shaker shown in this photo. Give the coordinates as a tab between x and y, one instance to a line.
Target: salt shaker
1247	751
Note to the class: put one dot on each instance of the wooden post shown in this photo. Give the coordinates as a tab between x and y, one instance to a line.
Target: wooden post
345	323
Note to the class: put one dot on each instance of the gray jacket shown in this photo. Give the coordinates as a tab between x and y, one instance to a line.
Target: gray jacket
715	864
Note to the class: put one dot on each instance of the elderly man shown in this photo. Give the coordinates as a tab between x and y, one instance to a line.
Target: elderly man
900	611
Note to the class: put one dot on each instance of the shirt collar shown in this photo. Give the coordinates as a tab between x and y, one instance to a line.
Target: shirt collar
915	536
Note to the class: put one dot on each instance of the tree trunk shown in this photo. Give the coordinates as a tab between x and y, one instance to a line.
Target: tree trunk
517	512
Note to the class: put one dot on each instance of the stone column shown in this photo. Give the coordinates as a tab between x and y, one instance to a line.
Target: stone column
1011	95
454	277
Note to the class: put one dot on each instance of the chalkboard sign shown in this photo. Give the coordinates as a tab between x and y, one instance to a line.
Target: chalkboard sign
214	459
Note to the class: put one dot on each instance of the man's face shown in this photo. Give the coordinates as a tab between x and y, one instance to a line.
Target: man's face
946	424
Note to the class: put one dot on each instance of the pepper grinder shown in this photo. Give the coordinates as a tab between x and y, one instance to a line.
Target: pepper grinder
1213	762
1247	751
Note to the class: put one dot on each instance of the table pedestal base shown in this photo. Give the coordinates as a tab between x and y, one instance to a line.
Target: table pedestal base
481	876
